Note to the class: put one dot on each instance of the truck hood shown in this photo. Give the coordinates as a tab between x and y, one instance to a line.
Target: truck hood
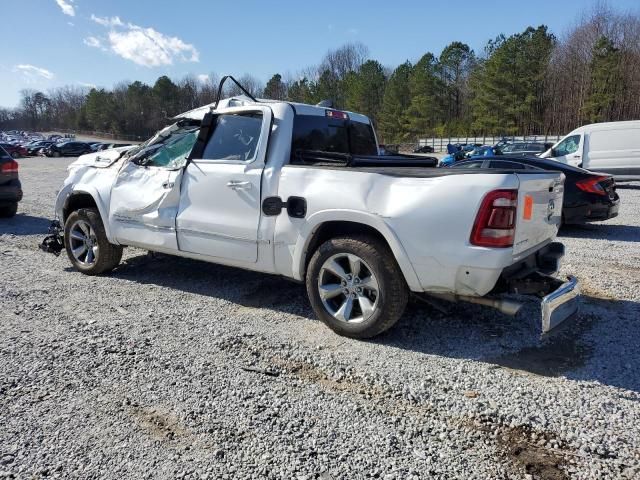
102	159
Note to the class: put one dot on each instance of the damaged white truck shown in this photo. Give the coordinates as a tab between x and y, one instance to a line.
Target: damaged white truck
299	191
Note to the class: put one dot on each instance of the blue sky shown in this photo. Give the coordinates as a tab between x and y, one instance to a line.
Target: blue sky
49	43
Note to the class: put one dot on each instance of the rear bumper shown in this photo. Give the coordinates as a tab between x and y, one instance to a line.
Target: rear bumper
560	304
591	212
531	279
558	298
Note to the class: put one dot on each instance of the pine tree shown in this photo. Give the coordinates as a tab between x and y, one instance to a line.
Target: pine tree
364	90
396	101
275	88
606	81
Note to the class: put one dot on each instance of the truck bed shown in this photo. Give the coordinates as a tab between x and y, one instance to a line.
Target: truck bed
418	172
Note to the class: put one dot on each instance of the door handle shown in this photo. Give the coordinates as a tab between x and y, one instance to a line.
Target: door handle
168	185
238	185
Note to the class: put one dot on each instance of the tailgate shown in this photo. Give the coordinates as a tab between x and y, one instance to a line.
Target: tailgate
539	209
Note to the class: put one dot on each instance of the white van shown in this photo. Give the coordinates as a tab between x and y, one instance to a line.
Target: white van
612	147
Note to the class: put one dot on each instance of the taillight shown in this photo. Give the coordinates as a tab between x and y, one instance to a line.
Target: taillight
592	185
9	167
495	224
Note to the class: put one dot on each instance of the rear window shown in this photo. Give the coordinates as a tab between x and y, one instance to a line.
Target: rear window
320	133
535	147
469	165
507	165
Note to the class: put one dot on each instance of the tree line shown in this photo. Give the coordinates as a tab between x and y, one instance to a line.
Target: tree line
531	82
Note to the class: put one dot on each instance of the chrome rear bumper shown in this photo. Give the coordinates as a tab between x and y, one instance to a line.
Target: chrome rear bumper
560	304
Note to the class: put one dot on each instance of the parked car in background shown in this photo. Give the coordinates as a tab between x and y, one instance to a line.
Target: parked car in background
521	148
16	151
502	148
612	147
588	196
68	149
385	150
424	149
10	187
34	148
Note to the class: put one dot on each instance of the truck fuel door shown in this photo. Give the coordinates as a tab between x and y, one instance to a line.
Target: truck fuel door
296	206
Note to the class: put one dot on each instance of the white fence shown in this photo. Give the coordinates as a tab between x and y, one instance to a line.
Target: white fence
440	144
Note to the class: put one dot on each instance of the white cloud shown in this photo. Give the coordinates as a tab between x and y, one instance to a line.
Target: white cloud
66	8
107	22
71	24
353	31
203	78
94	42
87	85
32	72
143	46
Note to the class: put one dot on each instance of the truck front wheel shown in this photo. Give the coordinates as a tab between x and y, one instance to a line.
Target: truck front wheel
355	286
87	245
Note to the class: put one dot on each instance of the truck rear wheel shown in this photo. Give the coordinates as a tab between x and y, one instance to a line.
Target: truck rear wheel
87	245
355	286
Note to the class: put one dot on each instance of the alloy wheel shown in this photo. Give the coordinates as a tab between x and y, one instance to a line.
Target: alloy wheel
348	288
83	243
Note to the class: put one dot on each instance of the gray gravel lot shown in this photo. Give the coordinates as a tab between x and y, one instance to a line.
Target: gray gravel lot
170	368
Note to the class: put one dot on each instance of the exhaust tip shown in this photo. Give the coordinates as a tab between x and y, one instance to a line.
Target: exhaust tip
508	307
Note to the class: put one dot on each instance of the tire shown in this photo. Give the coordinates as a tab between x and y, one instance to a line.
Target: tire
55	154
15	154
104	256
377	262
8	211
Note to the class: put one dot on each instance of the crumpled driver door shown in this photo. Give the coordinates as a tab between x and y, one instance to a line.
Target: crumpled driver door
144	204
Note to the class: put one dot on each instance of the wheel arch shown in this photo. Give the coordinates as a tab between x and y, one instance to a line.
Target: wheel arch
329	224
86	198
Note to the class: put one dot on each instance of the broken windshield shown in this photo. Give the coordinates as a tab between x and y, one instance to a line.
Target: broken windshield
169	150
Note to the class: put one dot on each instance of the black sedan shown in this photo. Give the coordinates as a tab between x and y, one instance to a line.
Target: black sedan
10	188
34	148
424	149
68	149
588	196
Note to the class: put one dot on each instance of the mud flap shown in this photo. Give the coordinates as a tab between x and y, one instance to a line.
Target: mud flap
53	242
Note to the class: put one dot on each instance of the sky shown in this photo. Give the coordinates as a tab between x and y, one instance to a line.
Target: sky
50	43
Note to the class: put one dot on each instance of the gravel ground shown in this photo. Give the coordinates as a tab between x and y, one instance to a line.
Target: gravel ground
170	368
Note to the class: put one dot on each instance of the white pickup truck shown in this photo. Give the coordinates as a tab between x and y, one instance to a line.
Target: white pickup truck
299	191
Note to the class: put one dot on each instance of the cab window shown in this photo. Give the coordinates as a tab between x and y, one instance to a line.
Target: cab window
567	146
235	137
333	135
